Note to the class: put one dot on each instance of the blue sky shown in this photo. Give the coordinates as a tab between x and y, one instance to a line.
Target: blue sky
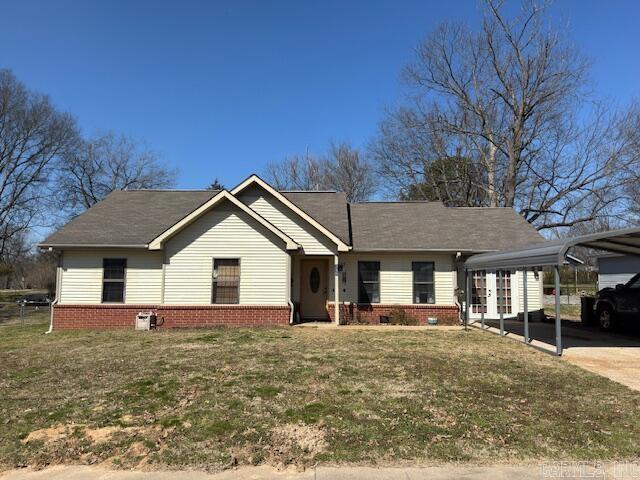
222	88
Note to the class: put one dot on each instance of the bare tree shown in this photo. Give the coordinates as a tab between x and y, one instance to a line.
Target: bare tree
33	135
632	187
346	170
633	190
31	270
108	162
511	94
421	161
297	172
343	169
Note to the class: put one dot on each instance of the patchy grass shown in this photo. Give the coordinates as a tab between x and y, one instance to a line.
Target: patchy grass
217	398
571	312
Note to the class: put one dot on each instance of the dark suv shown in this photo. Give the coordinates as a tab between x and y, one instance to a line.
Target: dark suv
618	304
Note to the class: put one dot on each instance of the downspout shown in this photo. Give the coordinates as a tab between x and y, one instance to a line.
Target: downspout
57	296
458	258
291	311
460	310
289	280
55	302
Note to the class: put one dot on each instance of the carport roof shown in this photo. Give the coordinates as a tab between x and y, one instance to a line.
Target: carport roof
554	252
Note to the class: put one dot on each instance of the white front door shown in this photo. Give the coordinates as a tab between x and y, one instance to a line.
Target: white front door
491	294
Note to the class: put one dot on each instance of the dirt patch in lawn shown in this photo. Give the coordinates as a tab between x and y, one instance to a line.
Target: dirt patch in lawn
104	434
94	435
294	440
48	435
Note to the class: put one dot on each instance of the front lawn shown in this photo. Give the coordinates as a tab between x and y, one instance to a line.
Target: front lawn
217	398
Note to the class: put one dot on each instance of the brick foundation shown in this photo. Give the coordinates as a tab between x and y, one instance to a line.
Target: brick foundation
350	313
123	316
175	316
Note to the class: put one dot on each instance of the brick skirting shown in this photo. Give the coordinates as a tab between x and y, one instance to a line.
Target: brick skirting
446	314
123	316
176	316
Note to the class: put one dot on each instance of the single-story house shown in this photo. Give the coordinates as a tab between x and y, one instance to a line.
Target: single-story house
615	268
258	256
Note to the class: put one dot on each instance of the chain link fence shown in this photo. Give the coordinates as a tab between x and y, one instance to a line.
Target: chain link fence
13	313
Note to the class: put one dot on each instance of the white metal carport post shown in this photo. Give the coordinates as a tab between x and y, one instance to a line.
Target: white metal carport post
467	297
526	306
556	271
336	289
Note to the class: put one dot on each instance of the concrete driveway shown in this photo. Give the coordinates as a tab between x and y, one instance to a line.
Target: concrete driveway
613	355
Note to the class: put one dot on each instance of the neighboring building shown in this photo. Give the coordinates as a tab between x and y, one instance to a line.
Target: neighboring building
614	269
257	256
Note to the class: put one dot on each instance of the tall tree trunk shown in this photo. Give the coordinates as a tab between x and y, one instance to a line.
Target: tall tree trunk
491	175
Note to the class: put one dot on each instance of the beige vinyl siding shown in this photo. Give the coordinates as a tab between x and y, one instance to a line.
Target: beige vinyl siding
396	277
312	241
81	281
534	291
225	232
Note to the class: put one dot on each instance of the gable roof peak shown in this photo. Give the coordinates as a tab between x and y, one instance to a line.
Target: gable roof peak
254	179
157	242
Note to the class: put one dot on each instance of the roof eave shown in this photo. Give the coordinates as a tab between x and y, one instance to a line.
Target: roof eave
62	246
425	250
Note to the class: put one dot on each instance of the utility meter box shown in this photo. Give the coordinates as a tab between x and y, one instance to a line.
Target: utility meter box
145	321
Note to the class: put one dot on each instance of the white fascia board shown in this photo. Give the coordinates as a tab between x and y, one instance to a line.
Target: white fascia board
157	243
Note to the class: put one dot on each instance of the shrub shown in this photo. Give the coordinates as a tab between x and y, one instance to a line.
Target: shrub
398	316
357	320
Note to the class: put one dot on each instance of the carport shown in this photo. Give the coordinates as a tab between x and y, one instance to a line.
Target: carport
551	253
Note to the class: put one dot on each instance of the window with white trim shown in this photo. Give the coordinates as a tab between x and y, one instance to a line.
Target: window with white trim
226	281
368	282
113	279
424	290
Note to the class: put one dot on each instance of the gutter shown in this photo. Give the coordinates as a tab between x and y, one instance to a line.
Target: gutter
418	250
75	245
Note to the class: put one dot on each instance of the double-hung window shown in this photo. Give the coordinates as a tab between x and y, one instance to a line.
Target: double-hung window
226	281
113	279
368	282
423	284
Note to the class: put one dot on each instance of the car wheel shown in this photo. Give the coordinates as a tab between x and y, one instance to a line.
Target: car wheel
605	318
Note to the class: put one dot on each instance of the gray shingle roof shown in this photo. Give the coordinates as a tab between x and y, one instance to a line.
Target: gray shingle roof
134	218
432	226
327	208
